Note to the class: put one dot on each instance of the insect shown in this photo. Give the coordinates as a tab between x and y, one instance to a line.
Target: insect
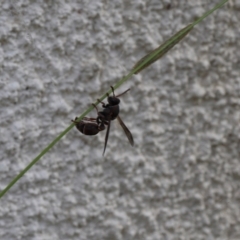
111	112
92	126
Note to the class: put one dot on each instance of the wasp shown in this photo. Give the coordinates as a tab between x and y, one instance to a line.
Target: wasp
92	126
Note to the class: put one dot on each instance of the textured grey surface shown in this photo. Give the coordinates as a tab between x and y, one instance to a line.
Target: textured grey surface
180	181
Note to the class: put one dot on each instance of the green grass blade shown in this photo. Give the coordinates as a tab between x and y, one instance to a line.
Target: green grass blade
148	59
209	12
35	160
162	49
170	43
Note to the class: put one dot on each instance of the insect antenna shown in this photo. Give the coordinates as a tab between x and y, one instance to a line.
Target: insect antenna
122	93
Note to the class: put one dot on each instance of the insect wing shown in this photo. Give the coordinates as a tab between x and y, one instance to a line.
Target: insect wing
126	131
106	137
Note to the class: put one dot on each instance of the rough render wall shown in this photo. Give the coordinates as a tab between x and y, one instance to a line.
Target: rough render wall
182	178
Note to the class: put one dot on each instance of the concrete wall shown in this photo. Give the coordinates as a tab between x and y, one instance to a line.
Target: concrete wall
182	178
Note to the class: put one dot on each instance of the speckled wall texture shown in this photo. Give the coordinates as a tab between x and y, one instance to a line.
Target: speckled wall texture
181	180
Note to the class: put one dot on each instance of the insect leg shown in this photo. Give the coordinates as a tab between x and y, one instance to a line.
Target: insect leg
103	104
113	91
95	107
